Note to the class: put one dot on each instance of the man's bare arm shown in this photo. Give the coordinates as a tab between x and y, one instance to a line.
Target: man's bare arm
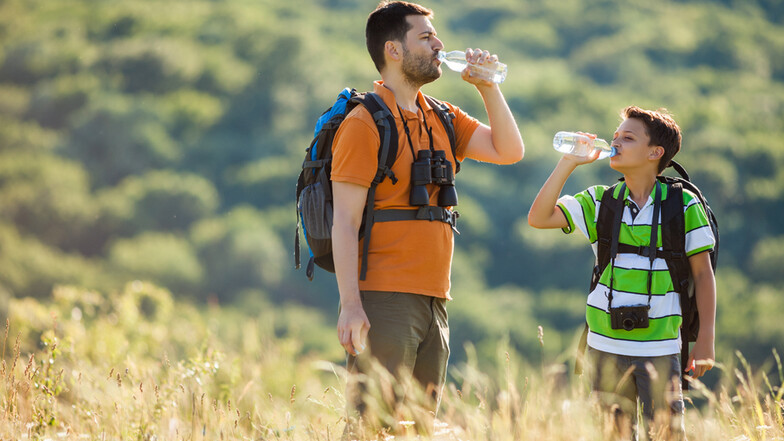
349	202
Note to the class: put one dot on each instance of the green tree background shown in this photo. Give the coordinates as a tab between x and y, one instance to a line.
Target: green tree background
161	142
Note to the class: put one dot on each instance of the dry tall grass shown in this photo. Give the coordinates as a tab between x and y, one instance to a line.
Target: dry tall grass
109	376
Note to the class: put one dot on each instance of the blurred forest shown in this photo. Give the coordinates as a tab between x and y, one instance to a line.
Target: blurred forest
160	141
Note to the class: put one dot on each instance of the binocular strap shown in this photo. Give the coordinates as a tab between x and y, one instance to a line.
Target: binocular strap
653	244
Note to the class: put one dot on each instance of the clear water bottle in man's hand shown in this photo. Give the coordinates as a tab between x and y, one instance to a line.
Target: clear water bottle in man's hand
456	60
578	144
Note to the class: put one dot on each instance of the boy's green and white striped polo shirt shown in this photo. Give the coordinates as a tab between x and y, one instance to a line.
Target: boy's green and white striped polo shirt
631	272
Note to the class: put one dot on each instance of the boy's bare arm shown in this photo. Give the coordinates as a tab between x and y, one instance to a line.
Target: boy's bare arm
702	355
544	213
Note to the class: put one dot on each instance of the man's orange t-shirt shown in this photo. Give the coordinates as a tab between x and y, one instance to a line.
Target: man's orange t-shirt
404	256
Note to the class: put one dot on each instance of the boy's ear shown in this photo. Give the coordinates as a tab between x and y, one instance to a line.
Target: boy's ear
656	152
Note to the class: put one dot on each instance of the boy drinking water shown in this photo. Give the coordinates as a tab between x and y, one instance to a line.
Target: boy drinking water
633	311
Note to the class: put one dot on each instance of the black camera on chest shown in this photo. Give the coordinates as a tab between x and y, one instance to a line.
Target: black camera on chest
629	317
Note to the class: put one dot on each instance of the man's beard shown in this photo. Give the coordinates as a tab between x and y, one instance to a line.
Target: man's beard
419	70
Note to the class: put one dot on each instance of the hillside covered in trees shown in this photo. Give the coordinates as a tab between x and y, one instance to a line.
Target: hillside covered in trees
160	141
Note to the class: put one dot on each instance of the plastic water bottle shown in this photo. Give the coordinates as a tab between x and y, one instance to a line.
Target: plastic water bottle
495	72
581	145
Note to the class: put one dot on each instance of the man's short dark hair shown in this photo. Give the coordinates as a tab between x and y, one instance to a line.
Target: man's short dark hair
661	128
388	23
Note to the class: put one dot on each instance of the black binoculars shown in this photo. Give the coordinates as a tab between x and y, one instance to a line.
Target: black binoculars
432	168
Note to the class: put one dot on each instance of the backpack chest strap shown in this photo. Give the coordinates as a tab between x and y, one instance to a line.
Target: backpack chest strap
646	251
428	213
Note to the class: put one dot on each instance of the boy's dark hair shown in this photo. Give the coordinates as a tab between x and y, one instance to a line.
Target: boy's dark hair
661	128
388	23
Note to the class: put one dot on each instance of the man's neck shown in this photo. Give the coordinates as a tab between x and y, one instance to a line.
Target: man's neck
640	186
405	93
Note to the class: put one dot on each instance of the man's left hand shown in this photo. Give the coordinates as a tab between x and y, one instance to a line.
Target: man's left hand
478	57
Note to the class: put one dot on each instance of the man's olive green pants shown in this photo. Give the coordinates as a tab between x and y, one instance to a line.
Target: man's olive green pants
409	334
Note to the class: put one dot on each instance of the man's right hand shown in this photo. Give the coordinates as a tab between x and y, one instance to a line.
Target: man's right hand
353	327
353	324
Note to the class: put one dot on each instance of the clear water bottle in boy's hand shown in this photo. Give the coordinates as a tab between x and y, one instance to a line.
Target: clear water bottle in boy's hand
456	60
581	145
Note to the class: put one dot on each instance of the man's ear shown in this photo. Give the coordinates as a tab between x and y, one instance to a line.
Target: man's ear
394	50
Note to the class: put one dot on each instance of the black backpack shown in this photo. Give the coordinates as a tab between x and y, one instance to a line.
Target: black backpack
673	247
314	186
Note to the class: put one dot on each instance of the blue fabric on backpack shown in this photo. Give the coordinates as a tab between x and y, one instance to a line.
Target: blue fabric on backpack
339	108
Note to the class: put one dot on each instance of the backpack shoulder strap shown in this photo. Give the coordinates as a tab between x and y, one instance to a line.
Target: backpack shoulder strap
610	213
387	153
446	116
387	132
674	236
674	248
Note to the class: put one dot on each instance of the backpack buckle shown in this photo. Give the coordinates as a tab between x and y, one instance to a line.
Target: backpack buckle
382	173
451	219
440	214
388	172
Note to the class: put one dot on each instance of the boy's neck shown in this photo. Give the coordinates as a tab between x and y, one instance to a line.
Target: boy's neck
640	187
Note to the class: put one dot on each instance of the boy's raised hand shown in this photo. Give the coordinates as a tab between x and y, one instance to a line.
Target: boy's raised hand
580	160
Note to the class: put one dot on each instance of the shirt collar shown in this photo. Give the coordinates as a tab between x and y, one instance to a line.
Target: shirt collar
628	195
389	97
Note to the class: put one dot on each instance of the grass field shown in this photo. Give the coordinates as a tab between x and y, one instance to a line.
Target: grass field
139	366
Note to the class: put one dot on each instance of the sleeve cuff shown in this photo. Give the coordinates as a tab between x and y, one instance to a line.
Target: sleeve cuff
699	250
569	228
351	180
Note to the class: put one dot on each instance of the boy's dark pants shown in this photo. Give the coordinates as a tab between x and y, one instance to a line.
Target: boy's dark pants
409	334
652	383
